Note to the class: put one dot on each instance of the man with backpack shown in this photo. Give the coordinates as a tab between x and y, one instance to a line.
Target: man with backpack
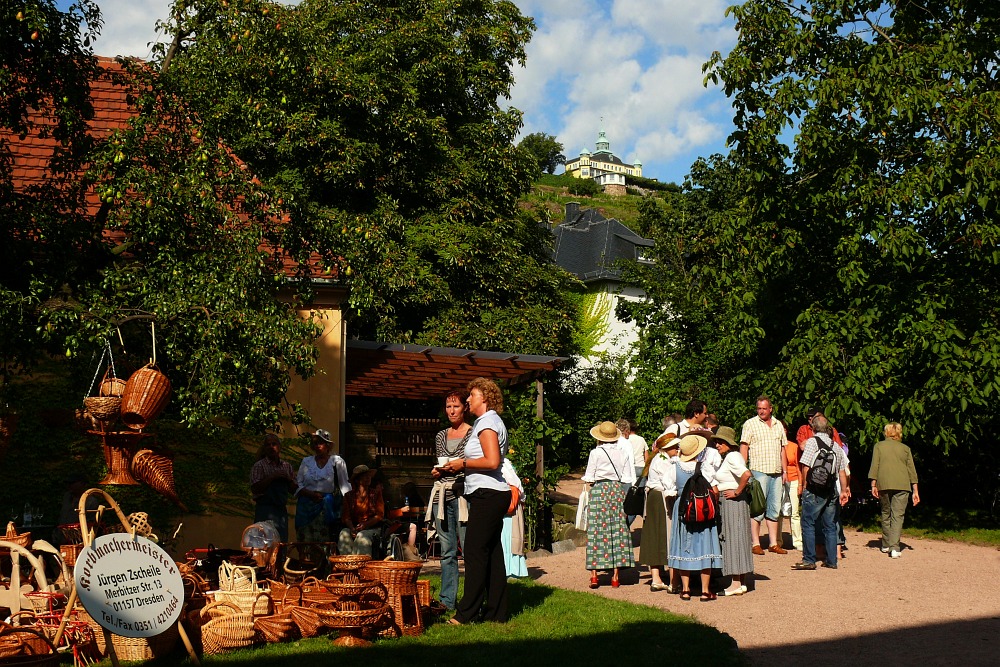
822	464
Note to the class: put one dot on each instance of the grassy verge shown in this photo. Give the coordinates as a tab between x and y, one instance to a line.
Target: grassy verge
549	627
935	523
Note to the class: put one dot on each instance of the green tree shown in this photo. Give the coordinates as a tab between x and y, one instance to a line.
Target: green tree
545	150
153	218
866	144
378	125
583	186
45	62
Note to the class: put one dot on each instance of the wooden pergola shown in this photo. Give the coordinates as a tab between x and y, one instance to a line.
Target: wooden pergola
419	372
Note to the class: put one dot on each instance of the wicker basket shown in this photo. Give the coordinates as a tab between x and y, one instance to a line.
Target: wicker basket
225	627
400	580
133	648
238	585
22	640
146	393
306	619
111	385
157	471
118	449
274	627
69	553
103	408
20	539
350	565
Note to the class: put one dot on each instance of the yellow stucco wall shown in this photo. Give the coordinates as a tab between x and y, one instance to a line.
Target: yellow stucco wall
322	395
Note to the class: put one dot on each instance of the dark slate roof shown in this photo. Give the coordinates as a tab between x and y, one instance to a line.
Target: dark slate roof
606	156
588	244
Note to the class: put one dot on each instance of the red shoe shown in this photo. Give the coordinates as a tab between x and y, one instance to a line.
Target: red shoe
614	582
593	582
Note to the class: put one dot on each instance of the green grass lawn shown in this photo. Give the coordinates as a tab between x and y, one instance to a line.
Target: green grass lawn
549	627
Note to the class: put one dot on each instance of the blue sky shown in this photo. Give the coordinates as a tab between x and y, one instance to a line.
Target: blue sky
636	63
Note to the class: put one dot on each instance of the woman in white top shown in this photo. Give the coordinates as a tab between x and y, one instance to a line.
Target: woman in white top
609	545
489	497
731	480
323	483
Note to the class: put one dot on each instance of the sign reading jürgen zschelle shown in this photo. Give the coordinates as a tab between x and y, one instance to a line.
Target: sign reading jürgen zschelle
129	585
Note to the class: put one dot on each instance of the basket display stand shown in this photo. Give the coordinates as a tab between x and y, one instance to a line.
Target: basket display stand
88	538
119	446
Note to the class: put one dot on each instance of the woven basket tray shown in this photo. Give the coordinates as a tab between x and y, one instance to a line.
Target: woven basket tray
274	627
21	641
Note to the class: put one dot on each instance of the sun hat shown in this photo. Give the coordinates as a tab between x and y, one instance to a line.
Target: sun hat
692	446
667	441
813	411
726	434
323	434
606	432
359	469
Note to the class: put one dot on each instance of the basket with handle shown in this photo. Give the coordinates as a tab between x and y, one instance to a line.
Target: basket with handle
238	585
20	539
225	627
111	385
306	619
146	394
274	626
26	647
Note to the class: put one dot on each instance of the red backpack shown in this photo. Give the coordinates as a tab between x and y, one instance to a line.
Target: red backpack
699	508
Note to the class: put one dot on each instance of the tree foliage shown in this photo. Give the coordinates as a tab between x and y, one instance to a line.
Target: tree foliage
545	149
379	126
866	145
152	218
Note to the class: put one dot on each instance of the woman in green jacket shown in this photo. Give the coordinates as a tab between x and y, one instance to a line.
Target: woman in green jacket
893	477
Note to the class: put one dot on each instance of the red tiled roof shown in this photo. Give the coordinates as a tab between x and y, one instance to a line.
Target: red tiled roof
32	155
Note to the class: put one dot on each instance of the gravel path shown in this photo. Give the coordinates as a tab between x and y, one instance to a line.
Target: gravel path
939	604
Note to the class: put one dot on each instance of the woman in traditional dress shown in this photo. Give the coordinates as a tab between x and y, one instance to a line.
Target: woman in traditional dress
609	545
732	479
699	550
656	521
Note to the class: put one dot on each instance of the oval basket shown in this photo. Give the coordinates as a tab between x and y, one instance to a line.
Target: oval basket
225	627
146	393
103	408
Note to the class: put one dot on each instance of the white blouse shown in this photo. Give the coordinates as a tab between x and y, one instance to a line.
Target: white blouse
711	461
732	468
658	467
607	462
313	478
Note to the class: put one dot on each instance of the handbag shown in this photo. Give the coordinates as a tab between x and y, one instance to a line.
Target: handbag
758	503
635	498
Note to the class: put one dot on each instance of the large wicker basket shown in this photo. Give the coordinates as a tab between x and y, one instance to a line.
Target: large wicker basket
133	648
238	585
400	580
146	393
225	627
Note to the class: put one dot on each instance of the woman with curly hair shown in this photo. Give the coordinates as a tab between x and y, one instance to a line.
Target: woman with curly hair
489	497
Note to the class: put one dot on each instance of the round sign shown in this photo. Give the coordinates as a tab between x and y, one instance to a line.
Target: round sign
129	585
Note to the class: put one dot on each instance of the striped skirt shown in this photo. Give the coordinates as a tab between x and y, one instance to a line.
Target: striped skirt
735	538
653	545
609	544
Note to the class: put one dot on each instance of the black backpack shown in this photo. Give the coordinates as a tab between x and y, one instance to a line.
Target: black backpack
821	479
698	507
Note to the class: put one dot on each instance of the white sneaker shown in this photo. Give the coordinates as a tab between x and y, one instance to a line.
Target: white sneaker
884	550
894	554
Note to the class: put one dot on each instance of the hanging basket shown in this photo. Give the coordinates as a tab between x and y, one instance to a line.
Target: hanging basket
103	408
146	393
111	385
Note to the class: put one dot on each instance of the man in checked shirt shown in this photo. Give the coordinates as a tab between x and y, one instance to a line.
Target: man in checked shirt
761	441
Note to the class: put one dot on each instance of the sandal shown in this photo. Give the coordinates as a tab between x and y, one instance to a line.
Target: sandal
454	621
709	597
685	595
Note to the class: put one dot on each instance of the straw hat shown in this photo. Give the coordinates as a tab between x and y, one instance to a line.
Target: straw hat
606	432
726	434
692	446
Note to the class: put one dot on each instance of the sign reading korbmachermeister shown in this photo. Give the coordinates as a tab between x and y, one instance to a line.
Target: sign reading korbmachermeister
129	585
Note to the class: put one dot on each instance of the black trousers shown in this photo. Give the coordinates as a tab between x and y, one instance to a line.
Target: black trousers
485	574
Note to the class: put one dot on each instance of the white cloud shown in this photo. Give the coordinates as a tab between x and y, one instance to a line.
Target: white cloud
129	26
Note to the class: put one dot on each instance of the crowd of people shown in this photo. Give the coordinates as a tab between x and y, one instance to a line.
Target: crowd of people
700	479
475	506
